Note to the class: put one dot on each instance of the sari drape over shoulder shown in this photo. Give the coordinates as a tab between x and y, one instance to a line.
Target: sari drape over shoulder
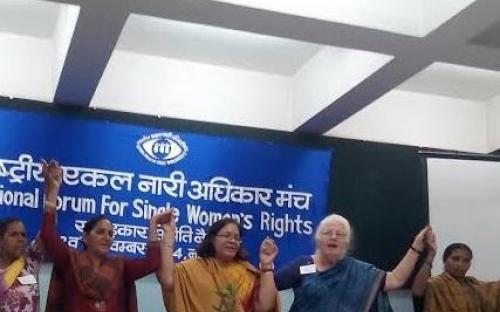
203	285
447	294
96	285
350	286
21	296
79	286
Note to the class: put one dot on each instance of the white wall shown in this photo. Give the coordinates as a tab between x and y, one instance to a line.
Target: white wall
418	119
464	206
180	89
23	73
493	131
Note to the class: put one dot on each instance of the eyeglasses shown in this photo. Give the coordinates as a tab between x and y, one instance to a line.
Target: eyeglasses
229	237
331	232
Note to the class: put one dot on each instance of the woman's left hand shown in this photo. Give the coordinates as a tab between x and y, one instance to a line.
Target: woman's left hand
268	251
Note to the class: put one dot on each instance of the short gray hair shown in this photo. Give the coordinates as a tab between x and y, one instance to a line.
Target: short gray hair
334	217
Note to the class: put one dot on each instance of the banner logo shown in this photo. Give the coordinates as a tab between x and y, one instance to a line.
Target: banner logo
162	148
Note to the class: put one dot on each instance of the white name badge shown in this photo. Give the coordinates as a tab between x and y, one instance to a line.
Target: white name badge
27	279
307	269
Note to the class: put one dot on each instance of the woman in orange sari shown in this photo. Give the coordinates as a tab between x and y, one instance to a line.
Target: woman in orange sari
220	279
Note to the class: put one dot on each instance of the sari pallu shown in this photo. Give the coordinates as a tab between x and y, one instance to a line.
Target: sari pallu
200	285
350	286
79	286
10	274
446	294
17	296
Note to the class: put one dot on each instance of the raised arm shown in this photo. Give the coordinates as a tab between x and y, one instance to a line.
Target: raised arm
53	245
165	273
398	277
267	291
137	268
419	285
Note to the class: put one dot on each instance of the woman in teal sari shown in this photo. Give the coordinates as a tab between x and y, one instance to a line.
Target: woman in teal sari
329	280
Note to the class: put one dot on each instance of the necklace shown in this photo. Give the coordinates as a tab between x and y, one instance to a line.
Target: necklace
100	306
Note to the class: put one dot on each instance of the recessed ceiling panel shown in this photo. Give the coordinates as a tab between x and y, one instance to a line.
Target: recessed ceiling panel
418	119
409	17
29	17
213	45
34	40
177	88
455	81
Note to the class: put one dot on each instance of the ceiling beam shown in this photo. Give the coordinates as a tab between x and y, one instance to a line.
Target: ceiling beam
277	24
366	92
448	43
101	21
96	33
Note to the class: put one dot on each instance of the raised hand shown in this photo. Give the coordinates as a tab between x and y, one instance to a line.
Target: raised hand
167	222
419	242
268	252
52	173
430	241
168	225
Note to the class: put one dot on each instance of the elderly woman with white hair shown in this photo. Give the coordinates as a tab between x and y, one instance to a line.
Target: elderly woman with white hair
329	280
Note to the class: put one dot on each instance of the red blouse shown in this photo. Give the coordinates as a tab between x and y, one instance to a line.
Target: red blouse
74	299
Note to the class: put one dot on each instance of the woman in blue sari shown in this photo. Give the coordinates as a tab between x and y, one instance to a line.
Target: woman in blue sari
329	280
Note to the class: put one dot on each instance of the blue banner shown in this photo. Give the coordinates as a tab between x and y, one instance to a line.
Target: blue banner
128	172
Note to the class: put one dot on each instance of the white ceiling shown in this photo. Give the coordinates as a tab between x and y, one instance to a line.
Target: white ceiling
455	81
393	71
214	45
409	17
28	17
34	40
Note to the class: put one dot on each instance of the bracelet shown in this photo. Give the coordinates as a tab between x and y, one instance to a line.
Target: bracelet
49	204
416	250
266	268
